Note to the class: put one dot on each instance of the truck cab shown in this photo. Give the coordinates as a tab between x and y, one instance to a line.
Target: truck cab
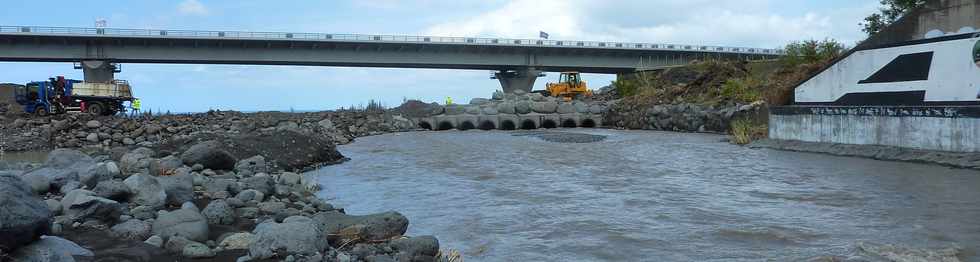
60	95
34	97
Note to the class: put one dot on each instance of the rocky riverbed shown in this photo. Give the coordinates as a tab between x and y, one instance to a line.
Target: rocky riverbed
216	186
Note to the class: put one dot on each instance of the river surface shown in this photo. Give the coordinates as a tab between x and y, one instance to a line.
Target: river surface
649	196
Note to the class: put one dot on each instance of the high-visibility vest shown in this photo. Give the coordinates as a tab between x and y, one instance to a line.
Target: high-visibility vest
136	104
449	101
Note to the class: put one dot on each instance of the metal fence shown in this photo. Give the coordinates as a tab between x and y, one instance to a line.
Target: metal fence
79	31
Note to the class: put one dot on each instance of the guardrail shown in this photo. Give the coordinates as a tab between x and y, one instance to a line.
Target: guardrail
80	31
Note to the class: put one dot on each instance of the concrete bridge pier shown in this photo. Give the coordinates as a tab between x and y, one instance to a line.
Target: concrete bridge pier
98	71
517	79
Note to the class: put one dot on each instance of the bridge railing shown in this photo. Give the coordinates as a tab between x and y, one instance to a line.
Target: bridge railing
74	31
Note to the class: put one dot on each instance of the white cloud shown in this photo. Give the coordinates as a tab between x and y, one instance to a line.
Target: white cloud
752	23
192	7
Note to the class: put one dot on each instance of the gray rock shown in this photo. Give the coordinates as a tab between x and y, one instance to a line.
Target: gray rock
479	101
490	110
197	250
581	107
472	110
82	204
39	184
190	206
210	155
220	184
128	141
51	249
147	190
544	107
133	229
455	109
92	137
247	212
93	124
292	237
154	240
112	189
497	95
522	107
137	160
596	109
566	108
255	164
218	212
416	248
235	202
94	174
272	207
68	187
368	227
143	212
23	216
179	188
54	206
290	179
506	108
237	241
261	183
176	244
186	223
167	164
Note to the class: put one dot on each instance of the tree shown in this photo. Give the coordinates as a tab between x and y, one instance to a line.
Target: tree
812	51
891	11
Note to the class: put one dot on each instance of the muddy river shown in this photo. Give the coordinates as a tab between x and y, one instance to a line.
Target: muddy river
649	196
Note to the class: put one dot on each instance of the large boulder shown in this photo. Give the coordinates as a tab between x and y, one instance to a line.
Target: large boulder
506	108
261	183
253	165
23	216
184	222
544	107
113	189
422	248
237	241
368	227
297	235
455	109
218	212
210	155
164	166
479	101
61	167
566	108
179	188
136	161
522	107
133	229
80	204
473	110
147	191
51	249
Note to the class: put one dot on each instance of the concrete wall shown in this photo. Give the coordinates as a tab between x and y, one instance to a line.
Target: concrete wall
945	15
955	129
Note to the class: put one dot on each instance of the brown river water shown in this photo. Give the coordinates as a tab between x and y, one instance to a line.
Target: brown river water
649	196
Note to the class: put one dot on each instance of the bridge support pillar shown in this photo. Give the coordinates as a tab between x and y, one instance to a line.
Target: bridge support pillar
98	71
519	79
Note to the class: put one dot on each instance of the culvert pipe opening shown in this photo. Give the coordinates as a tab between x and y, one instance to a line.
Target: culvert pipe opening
507	125
445	125
570	123
548	123
528	124
425	125
588	123
466	125
487	125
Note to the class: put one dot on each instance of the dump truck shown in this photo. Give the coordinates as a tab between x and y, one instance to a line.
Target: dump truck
59	95
569	86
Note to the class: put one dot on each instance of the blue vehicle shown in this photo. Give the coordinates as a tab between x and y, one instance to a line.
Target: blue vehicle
60	95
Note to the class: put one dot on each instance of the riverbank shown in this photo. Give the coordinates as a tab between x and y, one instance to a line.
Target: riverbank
889	153
213	186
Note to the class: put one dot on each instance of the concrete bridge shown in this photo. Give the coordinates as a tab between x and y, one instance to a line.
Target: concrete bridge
516	62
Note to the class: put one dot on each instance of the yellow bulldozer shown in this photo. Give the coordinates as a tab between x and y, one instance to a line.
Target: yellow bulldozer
569	86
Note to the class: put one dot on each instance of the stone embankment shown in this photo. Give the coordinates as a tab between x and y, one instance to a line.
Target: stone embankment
518	110
679	117
202	202
216	185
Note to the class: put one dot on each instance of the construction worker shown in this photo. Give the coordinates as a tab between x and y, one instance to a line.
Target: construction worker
136	106
449	101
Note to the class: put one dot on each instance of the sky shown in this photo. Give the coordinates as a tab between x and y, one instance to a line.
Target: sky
193	88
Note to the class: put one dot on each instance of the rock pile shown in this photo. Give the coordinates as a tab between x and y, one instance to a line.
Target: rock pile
202	202
86	131
678	117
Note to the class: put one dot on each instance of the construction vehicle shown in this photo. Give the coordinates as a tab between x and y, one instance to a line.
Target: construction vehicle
569	86
59	95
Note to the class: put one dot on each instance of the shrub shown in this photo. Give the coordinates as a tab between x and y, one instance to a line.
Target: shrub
745	131
626	87
746	89
812	51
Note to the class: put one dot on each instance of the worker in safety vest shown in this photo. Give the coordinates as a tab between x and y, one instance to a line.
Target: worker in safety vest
136	106
449	101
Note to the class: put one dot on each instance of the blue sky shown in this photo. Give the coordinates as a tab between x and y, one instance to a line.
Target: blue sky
185	88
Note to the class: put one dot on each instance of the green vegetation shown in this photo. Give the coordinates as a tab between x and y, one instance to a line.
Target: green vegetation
890	12
745	131
626	87
811	51
742	89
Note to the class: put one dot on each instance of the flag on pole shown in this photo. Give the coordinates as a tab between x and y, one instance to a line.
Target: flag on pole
543	35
